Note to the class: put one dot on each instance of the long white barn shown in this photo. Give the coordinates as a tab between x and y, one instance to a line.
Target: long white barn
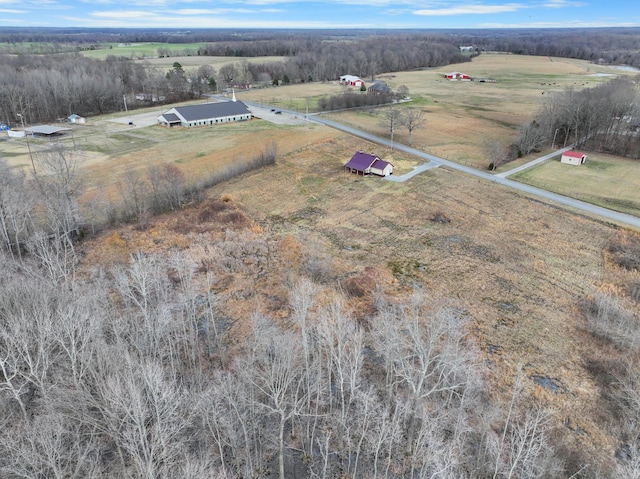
205	114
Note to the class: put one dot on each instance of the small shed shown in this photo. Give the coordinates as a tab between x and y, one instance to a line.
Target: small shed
575	158
77	119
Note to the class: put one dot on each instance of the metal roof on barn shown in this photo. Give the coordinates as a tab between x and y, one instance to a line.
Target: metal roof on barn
211	110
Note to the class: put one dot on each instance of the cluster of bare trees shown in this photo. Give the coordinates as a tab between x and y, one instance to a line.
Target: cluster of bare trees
604	118
44	213
394	118
135	371
43	88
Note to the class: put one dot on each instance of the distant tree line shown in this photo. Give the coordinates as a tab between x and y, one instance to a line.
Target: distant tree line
612	46
39	88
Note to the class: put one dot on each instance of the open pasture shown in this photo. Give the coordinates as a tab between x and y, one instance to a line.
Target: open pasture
608	181
140	50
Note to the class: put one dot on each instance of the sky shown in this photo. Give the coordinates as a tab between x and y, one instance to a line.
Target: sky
307	14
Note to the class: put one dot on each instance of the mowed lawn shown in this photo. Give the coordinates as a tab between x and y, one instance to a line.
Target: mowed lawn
604	180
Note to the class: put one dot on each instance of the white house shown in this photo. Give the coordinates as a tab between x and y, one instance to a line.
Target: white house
205	114
573	158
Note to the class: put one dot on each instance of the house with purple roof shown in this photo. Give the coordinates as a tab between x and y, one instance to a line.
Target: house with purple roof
364	164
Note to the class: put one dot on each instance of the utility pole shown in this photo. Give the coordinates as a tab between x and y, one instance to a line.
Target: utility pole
124	97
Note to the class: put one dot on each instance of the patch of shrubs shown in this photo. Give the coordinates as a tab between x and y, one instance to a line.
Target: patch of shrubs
606	317
625	251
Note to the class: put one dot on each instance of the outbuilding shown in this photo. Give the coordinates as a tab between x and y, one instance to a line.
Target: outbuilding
457	76
77	119
351	80
575	158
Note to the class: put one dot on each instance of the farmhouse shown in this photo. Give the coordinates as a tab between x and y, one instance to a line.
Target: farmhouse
573	158
350	80
457	76
205	114
379	88
363	164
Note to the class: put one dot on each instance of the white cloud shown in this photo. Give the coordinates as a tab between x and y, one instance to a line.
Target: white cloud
119	19
562	4
213	11
471	10
122	14
563	24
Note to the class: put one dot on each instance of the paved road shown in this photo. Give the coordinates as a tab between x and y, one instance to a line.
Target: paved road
610	215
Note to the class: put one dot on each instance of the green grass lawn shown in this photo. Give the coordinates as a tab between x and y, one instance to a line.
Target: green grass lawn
604	180
141	50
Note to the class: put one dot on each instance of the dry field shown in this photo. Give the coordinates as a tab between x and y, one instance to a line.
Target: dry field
517	268
460	116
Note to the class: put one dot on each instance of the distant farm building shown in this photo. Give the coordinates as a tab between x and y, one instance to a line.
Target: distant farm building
205	114
457	76
573	158
351	80
364	164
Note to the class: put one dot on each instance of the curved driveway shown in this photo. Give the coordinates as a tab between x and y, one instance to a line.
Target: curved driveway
435	161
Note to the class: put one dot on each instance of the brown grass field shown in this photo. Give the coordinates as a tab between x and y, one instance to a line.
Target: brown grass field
518	268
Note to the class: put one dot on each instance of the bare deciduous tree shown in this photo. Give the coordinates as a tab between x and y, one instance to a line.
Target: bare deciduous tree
412	119
391	119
